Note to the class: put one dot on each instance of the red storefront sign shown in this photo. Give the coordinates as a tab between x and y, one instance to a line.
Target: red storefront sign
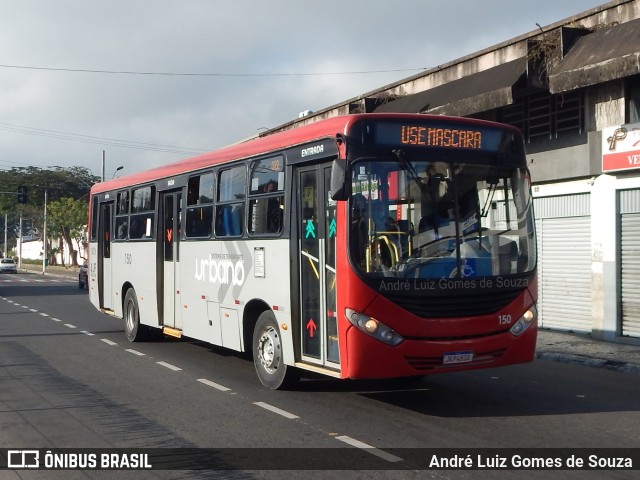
621	148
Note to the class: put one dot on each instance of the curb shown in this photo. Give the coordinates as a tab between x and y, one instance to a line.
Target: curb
69	275
622	367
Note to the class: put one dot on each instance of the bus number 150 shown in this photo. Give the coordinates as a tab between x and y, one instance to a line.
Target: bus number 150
504	319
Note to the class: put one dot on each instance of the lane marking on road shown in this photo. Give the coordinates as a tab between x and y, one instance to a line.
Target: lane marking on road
33	310
369	449
277	410
24	306
135	352
55	319
215	385
87	333
108	342
169	366
44	314
70	325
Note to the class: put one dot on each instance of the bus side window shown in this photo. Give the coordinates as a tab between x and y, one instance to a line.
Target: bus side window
266	215
199	222
199	206
229	220
142	216
266	203
122	215
232	184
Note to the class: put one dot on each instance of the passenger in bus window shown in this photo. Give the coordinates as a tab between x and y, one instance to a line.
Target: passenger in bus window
270	186
122	230
275	215
381	219
136	228
221	214
435	202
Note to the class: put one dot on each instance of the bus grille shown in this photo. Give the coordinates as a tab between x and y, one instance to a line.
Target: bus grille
443	307
423	364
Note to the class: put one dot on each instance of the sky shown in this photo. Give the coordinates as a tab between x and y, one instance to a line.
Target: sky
203	74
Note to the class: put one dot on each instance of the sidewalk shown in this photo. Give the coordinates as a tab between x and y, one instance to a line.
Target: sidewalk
586	350
55	270
552	345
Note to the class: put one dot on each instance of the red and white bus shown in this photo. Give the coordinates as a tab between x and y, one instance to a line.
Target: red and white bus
363	246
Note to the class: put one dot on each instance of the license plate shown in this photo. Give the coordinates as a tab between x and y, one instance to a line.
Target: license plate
457	357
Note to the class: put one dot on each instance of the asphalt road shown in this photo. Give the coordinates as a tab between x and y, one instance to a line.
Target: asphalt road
70	379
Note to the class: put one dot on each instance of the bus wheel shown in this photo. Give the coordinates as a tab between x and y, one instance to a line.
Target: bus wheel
267	354
132	328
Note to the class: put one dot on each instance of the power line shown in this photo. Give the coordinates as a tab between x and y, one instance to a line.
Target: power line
210	74
76	137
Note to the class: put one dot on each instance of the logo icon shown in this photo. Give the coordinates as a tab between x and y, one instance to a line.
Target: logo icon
23	459
618	135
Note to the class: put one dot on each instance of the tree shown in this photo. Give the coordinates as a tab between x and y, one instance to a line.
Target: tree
68	218
72	183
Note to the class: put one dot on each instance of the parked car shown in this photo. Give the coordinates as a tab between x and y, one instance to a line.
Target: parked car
83	278
7	265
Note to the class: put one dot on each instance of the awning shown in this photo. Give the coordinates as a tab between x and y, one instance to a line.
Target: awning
486	90
607	54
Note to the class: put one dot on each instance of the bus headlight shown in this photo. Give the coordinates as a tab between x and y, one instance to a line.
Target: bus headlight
374	328
525	321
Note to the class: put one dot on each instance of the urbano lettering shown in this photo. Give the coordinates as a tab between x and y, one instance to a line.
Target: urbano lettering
223	271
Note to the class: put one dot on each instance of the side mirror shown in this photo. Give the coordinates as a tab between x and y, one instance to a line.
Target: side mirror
340	187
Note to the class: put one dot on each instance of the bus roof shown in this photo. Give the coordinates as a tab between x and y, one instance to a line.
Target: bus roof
260	145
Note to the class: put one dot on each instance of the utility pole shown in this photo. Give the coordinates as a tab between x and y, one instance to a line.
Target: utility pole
44	235
103	165
20	244
5	235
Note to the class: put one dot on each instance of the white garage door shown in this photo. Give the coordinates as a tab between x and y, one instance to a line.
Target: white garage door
630	262
564	262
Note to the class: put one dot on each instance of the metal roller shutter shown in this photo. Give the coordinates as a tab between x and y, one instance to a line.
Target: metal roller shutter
630	262
564	262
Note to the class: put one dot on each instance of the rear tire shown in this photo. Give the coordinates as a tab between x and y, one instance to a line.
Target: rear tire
132	328
268	356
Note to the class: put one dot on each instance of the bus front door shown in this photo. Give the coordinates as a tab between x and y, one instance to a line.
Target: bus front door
171	207
105	284
316	230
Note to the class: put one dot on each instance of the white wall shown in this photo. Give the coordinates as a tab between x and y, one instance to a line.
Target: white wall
32	250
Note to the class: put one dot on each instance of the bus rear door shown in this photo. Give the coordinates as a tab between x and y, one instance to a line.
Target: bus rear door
170	230
105	229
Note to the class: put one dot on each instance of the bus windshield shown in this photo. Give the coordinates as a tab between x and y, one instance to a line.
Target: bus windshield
438	219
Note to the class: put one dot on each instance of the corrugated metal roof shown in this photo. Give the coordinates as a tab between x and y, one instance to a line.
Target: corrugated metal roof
474	93
607	54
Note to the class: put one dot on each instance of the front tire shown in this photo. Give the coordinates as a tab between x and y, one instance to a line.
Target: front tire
268	356
132	328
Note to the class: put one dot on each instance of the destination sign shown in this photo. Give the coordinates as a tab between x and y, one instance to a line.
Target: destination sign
437	135
440	137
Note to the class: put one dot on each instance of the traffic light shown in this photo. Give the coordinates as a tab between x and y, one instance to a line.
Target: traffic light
22	194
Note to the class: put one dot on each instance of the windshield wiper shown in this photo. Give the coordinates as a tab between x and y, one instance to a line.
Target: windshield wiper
413	173
485	208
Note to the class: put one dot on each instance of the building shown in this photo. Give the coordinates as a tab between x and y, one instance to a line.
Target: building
32	250
573	88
